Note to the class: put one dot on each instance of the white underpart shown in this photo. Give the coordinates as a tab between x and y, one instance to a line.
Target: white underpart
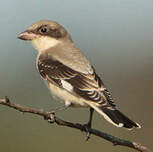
66	96
67	85
105	116
44	42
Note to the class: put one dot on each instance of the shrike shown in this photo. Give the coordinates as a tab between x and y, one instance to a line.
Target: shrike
69	75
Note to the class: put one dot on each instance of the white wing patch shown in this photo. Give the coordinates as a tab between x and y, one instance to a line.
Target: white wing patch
67	85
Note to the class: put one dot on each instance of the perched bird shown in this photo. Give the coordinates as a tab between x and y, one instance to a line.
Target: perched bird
69	75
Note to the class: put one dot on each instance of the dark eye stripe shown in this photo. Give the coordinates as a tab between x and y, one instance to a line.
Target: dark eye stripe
49	31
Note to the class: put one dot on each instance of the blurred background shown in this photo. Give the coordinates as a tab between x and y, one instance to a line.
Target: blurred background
117	36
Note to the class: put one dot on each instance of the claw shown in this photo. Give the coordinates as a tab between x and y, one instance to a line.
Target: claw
87	136
51	118
87	127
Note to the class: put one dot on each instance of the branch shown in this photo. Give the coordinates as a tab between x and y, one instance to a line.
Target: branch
58	121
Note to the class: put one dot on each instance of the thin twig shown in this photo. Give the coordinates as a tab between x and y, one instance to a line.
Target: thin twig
58	121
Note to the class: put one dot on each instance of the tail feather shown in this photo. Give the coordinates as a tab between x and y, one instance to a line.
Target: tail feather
115	117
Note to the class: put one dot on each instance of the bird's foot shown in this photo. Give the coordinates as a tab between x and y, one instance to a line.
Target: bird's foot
87	128
51	118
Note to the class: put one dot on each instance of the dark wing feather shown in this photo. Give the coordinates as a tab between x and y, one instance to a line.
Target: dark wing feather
48	66
88	86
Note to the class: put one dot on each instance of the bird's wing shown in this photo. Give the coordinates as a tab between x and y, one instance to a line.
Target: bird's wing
88	86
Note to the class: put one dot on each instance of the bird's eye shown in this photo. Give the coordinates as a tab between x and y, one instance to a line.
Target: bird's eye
43	30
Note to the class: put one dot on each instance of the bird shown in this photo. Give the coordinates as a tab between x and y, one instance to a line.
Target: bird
69	75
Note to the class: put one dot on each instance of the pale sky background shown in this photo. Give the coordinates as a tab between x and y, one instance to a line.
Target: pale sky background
117	36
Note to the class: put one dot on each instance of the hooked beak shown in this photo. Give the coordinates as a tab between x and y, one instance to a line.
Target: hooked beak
27	35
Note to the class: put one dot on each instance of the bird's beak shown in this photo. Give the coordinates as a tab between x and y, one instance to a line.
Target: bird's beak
27	35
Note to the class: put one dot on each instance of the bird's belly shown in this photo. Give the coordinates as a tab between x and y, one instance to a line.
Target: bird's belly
66	96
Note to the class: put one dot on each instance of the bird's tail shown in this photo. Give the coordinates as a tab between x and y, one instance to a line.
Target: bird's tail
115	117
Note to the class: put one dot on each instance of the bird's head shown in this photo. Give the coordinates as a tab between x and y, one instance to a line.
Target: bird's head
45	34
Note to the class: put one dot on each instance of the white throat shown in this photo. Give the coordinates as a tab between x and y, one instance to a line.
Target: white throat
44	42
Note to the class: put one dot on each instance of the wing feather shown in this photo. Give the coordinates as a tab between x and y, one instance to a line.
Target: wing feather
88	86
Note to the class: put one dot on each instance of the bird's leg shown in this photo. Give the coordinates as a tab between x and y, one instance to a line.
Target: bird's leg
88	125
57	109
65	106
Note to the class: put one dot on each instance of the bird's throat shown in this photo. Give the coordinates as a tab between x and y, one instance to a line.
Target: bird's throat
43	43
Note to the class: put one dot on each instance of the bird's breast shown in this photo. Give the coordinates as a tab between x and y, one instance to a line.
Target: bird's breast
65	96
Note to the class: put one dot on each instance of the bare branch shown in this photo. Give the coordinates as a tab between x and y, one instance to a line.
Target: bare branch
58	121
